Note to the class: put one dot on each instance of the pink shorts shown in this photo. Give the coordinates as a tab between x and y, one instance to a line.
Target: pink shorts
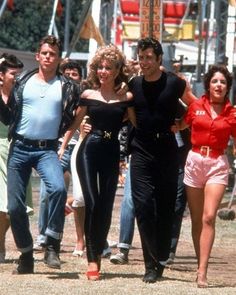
201	170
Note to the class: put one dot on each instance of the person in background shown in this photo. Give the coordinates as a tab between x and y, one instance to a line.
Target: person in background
99	153
212	120
71	69
10	67
127	224
39	110
184	145
183	141
78	205
75	72
127	212
134	70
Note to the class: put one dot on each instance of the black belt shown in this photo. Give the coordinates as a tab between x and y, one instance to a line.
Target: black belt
105	134
155	135
163	134
37	143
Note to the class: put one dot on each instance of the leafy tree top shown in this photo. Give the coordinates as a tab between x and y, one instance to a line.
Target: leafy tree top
23	27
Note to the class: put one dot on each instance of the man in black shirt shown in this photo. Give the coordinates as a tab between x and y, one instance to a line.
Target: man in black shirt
154	161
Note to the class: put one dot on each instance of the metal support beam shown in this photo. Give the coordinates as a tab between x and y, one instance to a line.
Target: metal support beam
108	14
208	13
67	26
221	15
3	7
52	21
79	26
200	41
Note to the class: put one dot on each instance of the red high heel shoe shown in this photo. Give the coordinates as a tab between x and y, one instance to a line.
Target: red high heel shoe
93	275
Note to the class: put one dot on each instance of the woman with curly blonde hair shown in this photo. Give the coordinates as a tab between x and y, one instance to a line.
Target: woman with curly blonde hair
113	55
98	155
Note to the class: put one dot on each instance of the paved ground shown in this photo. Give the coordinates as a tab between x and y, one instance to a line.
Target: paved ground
178	278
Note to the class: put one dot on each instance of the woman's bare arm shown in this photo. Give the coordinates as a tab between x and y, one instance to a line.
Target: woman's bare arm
80	113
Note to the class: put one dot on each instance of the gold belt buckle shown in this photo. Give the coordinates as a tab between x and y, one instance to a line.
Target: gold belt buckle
107	134
205	150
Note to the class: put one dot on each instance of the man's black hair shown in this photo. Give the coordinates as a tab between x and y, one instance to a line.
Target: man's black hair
9	61
146	43
71	64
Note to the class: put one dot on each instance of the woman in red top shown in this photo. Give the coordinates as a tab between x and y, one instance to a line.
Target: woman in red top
212	121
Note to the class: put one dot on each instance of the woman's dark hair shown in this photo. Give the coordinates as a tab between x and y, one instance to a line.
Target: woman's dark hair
221	69
9	61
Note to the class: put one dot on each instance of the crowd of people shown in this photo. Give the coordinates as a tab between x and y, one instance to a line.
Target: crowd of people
76	135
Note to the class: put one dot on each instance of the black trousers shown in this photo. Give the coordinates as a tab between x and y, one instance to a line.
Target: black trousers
98	169
154	177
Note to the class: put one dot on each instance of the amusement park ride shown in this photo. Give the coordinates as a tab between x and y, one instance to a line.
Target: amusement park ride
197	29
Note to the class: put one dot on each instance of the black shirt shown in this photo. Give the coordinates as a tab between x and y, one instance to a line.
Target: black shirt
156	102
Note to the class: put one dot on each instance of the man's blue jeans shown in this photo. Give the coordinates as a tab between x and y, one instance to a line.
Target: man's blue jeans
43	214
127	216
43	203
21	160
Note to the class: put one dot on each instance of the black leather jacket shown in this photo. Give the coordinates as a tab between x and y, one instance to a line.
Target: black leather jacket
11	112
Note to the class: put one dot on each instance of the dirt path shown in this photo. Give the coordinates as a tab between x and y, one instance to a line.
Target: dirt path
179	278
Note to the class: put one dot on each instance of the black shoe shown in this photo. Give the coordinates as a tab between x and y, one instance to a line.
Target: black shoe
160	269
51	258
151	276
25	264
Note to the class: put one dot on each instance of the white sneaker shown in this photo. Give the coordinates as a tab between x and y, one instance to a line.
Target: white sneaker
78	253
112	244
171	258
119	258
38	247
106	252
2	257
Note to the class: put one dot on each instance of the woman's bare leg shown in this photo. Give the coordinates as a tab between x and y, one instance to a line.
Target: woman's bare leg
213	196
195	198
79	216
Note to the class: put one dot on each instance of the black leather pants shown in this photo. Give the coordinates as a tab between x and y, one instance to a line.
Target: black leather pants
98	169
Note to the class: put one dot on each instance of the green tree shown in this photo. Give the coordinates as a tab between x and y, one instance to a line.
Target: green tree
23	27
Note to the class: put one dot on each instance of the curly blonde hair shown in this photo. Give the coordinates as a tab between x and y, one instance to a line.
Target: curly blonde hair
112	54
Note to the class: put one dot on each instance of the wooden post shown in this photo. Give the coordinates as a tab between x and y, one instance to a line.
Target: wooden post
151	18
